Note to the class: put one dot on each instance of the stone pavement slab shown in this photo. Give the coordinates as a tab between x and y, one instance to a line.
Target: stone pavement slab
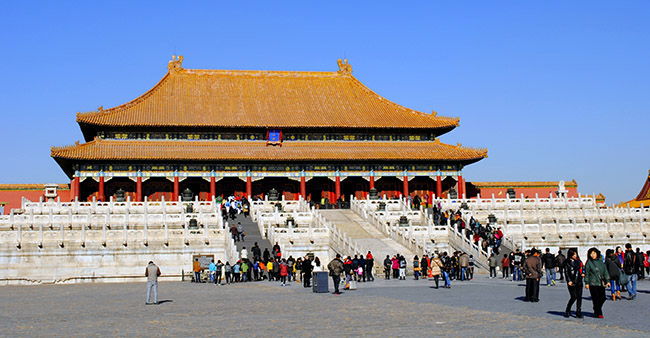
392	308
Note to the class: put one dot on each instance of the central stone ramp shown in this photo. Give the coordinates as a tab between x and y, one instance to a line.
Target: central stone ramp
367	237
252	236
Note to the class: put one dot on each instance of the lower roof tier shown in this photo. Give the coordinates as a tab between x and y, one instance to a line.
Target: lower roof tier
180	150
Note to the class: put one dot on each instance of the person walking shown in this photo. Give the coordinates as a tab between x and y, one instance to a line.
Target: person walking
219	269
196	267
492	263
559	262
402	267
387	265
436	268
463	262
631	268
424	266
370	263
395	267
533	272
548	262
505	266
213	270
335	268
573	275
152	272
306	271
446	268
284	272
227	270
614	270
596	279
416	267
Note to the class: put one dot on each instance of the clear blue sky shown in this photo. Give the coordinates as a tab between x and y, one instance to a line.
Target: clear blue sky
554	89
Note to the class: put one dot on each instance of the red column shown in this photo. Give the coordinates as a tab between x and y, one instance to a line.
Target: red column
77	187
460	186
406	186
175	195
213	187
372	182
303	187
249	187
100	192
138	189
337	187
73	189
438	186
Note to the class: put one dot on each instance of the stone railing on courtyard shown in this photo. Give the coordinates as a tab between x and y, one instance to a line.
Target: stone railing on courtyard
421	235
109	241
558	222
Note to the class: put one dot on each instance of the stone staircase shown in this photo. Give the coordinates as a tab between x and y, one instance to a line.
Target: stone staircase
252	235
366	236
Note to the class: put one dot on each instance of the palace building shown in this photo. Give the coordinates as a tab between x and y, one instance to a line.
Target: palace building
319	135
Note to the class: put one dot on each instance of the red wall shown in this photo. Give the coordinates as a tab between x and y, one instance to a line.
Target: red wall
528	192
13	198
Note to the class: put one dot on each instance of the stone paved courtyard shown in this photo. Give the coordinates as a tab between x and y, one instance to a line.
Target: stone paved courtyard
482	307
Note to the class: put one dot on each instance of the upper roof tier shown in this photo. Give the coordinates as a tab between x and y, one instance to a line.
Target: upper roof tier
267	99
191	150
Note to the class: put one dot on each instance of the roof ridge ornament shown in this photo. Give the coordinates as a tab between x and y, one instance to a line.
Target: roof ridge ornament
344	67
176	63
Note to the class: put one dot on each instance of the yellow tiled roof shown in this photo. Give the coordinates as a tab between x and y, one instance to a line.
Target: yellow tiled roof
273	99
103	149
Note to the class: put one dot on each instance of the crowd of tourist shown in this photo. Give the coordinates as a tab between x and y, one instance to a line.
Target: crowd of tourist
617	270
486	236
233	206
260	266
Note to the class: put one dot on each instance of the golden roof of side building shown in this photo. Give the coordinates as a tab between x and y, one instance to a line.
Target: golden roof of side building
266	99
108	149
525	184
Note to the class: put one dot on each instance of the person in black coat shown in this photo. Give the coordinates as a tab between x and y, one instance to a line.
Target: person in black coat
306	270
387	265
614	270
573	274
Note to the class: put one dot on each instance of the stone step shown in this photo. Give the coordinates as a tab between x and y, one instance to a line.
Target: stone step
366	235
252	235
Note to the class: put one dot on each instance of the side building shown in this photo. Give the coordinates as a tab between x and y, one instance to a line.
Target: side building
321	135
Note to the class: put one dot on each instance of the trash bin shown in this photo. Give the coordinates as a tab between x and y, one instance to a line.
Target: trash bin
319	282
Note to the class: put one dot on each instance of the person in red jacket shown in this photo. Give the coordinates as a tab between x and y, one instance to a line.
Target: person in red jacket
505	266
284	272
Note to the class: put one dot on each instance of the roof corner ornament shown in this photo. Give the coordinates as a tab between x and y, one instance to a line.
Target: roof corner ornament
457	121
344	67
434	113
176	63
436	140
76	143
100	109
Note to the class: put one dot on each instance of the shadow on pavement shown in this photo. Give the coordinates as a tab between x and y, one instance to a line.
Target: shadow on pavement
556	313
165	301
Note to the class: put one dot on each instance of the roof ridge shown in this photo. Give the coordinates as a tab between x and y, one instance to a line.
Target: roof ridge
112	110
433	115
76	145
